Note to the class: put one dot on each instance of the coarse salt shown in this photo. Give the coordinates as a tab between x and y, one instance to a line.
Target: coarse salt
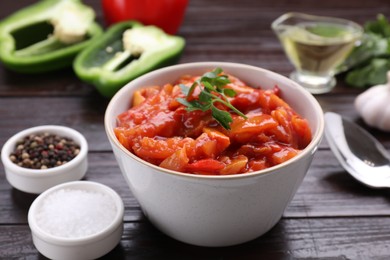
75	213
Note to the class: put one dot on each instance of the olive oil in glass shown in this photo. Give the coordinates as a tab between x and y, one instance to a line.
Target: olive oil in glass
316	46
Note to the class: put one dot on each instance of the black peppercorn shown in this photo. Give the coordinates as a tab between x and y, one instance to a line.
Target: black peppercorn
43	151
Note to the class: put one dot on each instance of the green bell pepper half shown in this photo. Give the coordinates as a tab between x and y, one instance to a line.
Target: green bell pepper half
108	64
27	44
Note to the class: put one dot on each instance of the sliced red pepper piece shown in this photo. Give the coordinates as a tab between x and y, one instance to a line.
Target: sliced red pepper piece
205	166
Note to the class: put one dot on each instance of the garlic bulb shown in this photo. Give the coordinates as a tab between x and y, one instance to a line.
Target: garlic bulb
374	106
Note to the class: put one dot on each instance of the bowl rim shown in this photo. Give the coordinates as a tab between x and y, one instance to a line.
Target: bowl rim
8	147
316	136
68	241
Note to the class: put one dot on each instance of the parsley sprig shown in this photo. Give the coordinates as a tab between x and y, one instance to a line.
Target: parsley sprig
212	90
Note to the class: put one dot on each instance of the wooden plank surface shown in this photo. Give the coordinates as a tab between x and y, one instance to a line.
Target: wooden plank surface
331	216
342	238
327	191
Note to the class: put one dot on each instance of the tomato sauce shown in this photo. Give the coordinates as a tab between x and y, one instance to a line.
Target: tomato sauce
159	129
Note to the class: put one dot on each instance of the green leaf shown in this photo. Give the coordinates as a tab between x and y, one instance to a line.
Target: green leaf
208	86
373	73
184	102
193	105
221	81
375	43
380	27
184	89
200	106
371	46
209	75
229	92
213	74
205	97
193	86
217	71
215	79
210	82
223	117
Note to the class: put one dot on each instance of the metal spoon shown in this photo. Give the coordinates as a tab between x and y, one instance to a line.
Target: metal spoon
358	151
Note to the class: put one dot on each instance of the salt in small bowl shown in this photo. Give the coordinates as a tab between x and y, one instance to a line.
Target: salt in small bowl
93	204
39	180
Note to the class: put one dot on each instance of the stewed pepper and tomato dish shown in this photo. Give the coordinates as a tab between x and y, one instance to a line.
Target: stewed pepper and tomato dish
213	124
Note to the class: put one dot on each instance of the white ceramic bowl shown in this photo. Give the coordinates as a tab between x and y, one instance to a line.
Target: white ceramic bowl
39	180
87	247
215	210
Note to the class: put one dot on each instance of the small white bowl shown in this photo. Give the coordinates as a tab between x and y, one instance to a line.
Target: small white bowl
39	180
86	247
215	210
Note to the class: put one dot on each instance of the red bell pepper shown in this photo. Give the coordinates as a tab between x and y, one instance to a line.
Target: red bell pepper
166	14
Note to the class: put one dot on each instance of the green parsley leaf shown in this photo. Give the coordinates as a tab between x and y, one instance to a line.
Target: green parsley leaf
184	89
205	97
368	62
212	90
184	102
223	117
229	92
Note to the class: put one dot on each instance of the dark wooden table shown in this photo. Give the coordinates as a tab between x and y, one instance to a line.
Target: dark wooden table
331	216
